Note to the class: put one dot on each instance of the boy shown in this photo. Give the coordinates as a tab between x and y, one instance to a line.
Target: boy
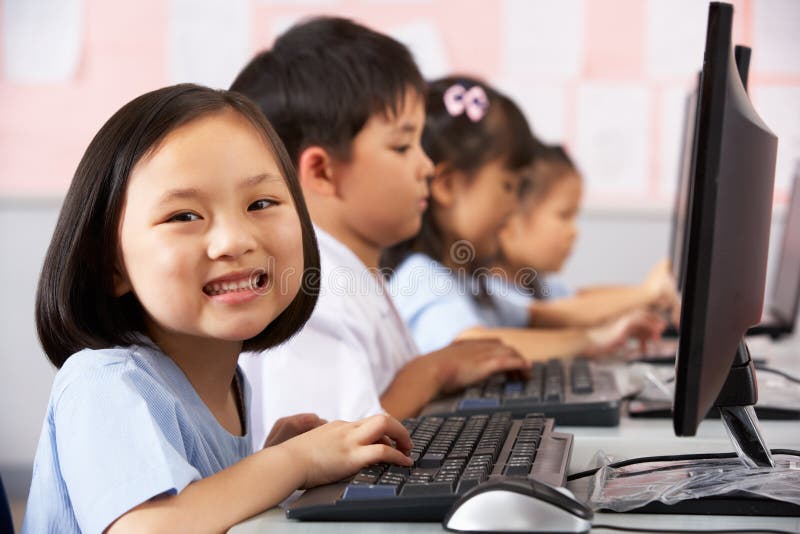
348	103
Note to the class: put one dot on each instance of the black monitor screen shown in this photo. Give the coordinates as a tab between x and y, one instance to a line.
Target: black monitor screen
677	251
729	219
681	209
786	296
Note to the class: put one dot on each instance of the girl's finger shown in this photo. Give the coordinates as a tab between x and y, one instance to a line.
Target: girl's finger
373	428
375	454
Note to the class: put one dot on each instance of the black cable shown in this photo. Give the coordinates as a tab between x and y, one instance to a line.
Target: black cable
678	531
674	458
785	375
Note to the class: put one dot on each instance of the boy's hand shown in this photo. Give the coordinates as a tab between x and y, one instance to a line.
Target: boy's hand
291	426
610	337
339	449
465	362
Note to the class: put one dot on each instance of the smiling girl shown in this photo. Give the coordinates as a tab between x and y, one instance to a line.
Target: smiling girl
183	240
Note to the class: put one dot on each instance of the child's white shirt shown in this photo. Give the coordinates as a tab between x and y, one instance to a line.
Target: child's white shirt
343	359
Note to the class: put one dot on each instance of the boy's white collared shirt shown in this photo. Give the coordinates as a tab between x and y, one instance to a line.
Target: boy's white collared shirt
348	353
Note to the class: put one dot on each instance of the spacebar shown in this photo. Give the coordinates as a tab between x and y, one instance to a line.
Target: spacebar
427	489
473	404
369	491
521	401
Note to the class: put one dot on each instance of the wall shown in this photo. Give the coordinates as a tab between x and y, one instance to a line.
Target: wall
606	77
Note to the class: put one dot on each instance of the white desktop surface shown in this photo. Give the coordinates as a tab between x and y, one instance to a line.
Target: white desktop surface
632	438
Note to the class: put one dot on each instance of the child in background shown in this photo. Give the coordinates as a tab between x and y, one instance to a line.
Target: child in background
482	148
538	239
182	217
349	104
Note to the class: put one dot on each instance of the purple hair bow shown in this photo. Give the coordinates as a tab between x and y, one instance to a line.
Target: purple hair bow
473	102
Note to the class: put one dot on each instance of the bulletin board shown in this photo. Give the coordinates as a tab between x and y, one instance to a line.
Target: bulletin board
608	78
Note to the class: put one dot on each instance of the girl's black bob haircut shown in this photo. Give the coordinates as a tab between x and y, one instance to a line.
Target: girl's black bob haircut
324	78
75	303
466	145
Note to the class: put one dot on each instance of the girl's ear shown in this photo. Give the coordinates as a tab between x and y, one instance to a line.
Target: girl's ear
315	171
442	184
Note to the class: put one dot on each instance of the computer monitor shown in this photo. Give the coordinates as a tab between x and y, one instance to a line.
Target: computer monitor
785	303
742	56
729	224
680	212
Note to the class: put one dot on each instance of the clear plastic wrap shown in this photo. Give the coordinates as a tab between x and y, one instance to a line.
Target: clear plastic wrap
625	488
655	386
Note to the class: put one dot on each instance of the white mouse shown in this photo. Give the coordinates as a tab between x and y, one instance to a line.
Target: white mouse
518	505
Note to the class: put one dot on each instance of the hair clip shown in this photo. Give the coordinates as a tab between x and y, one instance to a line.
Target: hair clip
472	102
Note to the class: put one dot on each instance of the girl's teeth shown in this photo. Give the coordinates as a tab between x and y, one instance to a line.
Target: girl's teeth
223	287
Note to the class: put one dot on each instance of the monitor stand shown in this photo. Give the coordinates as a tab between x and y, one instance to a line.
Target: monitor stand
735	404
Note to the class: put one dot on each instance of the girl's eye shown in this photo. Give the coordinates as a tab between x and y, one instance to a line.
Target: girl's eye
261	204
402	149
510	187
184	216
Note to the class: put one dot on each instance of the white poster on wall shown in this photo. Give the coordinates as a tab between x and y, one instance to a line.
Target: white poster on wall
208	41
613	141
776	29
425	42
43	40
676	37
543	104
779	106
543	38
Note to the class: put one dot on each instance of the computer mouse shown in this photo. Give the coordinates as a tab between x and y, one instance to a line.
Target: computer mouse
518	505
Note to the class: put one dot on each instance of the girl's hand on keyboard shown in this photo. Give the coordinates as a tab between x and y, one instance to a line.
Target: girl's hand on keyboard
612	336
291	426
339	449
660	287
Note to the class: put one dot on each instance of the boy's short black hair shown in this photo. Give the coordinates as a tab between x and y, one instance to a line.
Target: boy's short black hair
324	78
75	303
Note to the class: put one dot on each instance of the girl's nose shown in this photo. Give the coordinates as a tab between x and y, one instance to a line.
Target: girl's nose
230	239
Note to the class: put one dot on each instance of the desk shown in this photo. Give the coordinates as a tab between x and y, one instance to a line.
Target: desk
632	438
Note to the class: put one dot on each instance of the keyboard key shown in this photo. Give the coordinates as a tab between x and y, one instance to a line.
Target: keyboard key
364	478
467	483
375	491
427	490
525	400
479	403
520	470
552	395
399	469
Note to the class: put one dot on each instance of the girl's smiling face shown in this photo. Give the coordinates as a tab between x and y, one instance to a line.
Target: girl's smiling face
210	240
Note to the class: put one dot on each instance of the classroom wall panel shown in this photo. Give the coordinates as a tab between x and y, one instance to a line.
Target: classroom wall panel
66	65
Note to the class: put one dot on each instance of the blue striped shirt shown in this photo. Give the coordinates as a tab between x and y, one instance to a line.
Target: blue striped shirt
123	425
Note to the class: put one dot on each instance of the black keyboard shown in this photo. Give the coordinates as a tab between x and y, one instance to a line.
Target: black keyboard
451	455
573	392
